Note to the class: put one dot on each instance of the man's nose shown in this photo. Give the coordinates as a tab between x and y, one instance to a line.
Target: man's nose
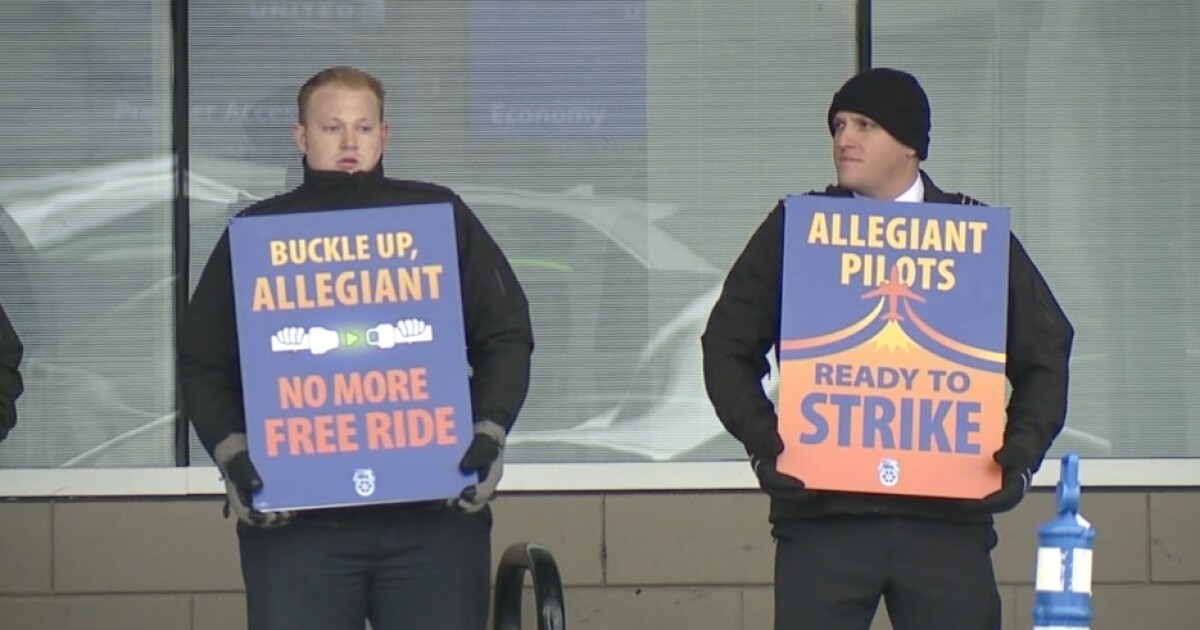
349	139
844	137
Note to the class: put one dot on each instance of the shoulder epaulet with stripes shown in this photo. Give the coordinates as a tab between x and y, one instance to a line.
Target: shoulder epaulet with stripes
968	200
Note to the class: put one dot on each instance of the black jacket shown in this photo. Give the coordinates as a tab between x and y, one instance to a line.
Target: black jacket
496	313
11	385
744	325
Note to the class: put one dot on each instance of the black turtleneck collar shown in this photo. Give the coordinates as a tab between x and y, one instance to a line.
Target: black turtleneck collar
329	180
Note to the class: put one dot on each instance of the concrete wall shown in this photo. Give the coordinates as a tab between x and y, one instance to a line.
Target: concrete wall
700	561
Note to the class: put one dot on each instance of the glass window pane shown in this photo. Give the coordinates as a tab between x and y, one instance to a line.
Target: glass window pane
621	152
1082	116
85	231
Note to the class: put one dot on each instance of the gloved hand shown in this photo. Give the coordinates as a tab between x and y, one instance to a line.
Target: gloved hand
777	484
7	421
763	440
485	457
242	481
1014	485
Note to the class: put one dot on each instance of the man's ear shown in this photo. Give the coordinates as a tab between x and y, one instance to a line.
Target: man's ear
300	137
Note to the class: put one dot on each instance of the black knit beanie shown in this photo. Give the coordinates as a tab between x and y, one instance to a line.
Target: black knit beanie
892	98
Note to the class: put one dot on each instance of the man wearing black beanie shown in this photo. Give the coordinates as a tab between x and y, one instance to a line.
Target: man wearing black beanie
880	124
838	553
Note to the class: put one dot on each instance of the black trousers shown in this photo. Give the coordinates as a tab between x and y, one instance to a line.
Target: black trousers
424	568
933	575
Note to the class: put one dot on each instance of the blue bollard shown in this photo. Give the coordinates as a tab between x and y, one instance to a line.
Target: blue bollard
1063	597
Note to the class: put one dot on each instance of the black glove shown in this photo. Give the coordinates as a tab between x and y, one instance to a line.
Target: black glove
763	441
242	481
485	457
1014	485
6	423
1011	457
777	484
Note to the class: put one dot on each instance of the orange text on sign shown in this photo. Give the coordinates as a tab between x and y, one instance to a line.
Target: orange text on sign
339	433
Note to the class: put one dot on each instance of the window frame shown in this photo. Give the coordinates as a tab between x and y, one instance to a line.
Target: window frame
30	483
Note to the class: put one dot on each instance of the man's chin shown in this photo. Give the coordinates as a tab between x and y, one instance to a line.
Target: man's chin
847	182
